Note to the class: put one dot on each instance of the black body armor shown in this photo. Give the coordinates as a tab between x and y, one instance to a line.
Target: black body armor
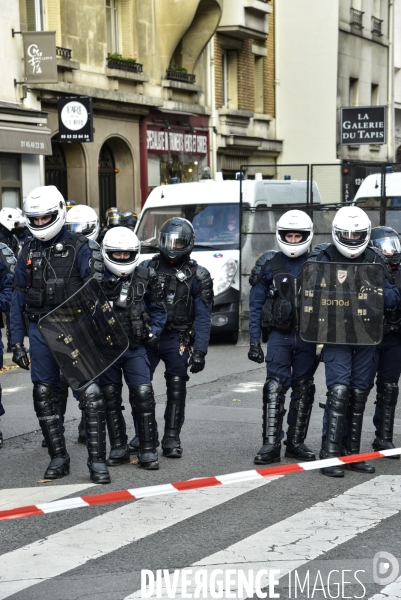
280	309
178	300
392	318
7	258
127	295
10	240
53	275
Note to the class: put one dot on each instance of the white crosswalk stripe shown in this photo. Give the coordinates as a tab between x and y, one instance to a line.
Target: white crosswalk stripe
306	535
13	498
390	592
101	535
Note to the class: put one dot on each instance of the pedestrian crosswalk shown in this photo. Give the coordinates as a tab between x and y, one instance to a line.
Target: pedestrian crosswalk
273	551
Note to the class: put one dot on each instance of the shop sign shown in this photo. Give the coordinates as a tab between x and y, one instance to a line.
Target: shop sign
162	142
40	56
363	125
75	118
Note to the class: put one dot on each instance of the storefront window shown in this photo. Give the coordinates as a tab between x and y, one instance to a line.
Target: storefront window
10	181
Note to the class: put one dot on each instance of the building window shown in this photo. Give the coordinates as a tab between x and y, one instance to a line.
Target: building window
10	181
259	100
353	91
230	79
112	25
374	95
34	14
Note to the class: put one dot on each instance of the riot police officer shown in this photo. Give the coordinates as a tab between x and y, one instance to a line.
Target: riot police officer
7	267
188	296
290	362
137	300
348	367
52	266
387	364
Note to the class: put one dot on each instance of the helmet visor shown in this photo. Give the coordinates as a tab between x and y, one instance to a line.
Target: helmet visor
387	245
352	238
122	257
175	242
86	227
41	221
288	236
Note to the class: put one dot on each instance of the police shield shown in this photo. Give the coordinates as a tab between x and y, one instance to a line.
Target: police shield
342	303
84	335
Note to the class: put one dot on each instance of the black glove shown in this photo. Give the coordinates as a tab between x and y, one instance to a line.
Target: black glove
20	356
256	353
152	341
197	361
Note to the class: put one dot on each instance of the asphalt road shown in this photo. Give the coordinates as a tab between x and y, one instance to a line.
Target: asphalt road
303	521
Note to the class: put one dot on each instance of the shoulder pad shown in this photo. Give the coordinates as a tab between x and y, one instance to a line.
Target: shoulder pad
192	262
206	285
201	273
7	258
317	251
93	245
260	266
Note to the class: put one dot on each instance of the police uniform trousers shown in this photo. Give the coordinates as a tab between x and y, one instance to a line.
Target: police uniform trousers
43	366
386	366
350	366
2	411
291	360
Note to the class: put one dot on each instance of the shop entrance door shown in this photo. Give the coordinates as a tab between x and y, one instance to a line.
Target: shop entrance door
107	180
56	169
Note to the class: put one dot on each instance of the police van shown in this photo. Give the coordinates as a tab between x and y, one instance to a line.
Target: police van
213	208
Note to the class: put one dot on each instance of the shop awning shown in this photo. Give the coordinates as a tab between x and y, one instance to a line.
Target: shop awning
24	139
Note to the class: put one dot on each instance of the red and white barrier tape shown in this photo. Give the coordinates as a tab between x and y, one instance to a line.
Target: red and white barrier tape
182	486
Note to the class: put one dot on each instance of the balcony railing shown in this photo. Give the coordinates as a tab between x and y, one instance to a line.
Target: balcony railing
356	18
64	52
377	26
180	76
124	65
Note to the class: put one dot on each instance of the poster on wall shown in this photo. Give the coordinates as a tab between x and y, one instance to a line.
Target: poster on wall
75	119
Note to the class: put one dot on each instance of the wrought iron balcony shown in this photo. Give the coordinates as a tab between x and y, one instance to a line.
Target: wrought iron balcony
180	76
356	18
65	53
124	65
377	26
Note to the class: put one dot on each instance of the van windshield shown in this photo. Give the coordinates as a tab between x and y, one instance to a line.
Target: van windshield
216	225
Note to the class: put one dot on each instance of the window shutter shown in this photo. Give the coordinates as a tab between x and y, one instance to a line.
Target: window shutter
30	15
259	84
232	79
53	19
127	28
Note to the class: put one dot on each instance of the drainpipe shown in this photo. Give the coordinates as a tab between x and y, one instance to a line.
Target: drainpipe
390	83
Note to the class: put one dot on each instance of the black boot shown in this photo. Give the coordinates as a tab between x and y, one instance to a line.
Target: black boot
356	408
93	405
386	401
299	415
143	406
174	416
45	408
336	409
273	413
134	445
119	453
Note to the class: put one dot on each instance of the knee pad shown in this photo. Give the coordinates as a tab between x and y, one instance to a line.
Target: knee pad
357	400
338	398
141	398
43	399
176	389
91	398
112	396
387	393
273	390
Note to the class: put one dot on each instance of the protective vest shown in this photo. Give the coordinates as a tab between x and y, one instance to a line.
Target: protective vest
127	295
392	318
280	309
9	240
7	258
52	274
178	300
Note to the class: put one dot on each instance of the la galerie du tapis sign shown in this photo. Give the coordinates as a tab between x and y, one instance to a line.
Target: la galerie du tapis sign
40	56
363	125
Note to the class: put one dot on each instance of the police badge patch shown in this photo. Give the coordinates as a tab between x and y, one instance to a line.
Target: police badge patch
342	276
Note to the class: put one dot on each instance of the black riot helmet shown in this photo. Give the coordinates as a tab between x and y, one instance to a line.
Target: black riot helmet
130	219
176	239
387	240
115	219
